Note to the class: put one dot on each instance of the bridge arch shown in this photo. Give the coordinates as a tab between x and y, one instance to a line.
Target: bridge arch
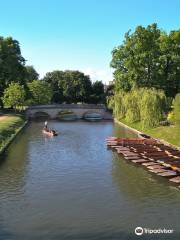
66	115
92	114
41	115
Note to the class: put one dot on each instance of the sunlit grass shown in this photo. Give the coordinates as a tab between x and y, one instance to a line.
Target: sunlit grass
9	124
170	133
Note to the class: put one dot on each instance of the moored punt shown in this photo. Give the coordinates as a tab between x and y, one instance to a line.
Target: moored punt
175	179
149	164
167	174
122	149
139	161
155	167
151	154
155	154
157	170
128	154
131	158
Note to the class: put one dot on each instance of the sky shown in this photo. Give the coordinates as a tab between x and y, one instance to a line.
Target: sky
80	34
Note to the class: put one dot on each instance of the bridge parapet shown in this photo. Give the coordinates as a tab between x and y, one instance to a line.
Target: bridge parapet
69	106
79	110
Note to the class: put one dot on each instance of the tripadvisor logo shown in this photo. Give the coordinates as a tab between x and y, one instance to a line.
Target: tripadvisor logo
140	231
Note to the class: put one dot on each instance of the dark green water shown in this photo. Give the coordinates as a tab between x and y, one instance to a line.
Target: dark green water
72	187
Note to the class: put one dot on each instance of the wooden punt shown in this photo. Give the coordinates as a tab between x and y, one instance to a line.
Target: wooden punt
49	134
157	158
114	147
157	170
128	154
133	140
172	151
132	158
175	179
155	167
150	164
122	148
139	161
167	174
158	154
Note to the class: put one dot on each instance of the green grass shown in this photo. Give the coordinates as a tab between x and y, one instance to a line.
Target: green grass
169	134
9	125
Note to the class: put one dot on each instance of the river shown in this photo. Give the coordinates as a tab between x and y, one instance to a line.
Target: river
72	187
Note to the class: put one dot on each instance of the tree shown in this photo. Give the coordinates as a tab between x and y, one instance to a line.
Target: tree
143	105
148	58
41	92
55	79
14	95
76	87
11	63
31	74
169	62
69	86
98	95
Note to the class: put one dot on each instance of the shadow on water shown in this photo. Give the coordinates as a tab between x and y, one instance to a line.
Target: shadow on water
12	172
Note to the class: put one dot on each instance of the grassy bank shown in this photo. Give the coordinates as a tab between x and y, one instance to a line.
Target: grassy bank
169	134
9	125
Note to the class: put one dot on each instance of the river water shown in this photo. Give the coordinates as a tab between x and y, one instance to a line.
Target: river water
72	187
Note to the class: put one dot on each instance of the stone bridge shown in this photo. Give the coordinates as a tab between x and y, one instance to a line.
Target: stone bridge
79	110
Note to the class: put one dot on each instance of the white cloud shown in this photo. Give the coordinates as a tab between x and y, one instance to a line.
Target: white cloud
99	74
95	74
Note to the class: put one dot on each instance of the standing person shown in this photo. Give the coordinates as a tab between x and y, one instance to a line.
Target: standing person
45	125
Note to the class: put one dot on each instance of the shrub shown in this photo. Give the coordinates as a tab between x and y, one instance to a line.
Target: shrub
170	117
176	105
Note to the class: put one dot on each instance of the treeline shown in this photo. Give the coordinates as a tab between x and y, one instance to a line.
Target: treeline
20	84
74	86
146	75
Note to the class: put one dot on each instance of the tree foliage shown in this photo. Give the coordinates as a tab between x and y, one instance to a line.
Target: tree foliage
97	92
31	74
41	92
74	86
14	95
148	58
143	105
11	63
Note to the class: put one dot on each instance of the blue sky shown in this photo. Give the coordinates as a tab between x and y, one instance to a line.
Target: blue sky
79	34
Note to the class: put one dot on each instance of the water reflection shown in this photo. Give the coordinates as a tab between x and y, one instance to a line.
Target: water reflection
12	173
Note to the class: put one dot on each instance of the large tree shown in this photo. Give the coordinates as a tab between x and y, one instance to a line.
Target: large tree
14	95
11	63
69	86
98	94
149	58
41	92
31	74
55	79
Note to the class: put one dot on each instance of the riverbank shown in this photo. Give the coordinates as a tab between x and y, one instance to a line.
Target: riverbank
10	126
169	134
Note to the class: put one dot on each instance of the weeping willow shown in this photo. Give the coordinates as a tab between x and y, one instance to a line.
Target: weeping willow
139	105
153	105
131	104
